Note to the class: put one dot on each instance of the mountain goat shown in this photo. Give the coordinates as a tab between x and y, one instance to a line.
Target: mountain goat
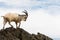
12	17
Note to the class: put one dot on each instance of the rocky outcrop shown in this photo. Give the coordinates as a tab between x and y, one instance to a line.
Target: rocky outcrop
20	34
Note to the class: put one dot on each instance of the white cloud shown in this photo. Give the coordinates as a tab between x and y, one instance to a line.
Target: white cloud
17	3
54	10
29	2
41	21
23	3
38	21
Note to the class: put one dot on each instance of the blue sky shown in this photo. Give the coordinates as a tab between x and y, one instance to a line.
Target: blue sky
44	15
50	5
29	3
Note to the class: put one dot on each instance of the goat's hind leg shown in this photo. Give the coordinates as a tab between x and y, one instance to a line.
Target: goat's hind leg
4	23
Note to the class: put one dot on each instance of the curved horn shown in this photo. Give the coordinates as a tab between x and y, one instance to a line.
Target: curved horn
25	12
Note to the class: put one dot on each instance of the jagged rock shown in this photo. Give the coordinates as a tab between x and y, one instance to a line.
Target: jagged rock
20	34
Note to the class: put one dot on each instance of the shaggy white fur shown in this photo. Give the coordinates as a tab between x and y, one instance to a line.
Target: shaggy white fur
13	17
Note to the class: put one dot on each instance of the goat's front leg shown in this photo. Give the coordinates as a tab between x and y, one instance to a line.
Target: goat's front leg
19	24
16	24
10	24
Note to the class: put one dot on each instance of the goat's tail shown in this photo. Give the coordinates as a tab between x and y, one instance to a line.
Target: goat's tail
3	16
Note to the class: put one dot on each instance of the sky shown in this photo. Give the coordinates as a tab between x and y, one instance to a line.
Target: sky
44	15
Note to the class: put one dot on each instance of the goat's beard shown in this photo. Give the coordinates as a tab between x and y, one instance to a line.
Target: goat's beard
23	19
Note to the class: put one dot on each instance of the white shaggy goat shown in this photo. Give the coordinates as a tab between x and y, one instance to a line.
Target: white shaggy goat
17	18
